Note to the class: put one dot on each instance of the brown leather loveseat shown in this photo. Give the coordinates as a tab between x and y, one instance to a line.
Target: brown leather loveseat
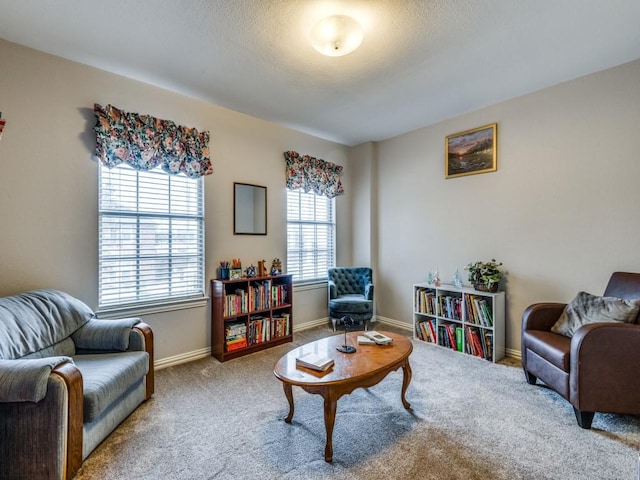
596	369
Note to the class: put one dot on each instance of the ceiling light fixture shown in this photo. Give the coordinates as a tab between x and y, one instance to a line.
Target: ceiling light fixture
336	35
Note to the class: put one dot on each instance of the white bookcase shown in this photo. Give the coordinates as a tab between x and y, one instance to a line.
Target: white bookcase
463	319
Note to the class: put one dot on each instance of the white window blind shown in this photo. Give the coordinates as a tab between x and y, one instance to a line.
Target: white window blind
311	232
151	237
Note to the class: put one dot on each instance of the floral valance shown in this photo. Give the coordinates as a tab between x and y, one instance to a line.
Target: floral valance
144	142
313	175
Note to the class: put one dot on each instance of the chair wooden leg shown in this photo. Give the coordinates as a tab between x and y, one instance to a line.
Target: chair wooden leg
333	321
584	418
531	379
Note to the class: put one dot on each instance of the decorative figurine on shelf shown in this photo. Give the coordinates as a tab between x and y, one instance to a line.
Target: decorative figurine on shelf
276	267
436	278
262	269
250	271
457	279
430	278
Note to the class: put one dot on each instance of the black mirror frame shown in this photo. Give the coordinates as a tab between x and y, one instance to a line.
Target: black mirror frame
235	212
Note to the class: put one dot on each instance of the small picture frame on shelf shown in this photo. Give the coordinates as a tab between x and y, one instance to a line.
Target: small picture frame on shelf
235	273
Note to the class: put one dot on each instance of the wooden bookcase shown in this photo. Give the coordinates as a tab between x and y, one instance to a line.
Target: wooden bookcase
463	319
257	309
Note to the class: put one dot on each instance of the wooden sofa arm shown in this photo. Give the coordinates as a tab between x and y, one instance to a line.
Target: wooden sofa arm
44	439
541	316
147	334
72	379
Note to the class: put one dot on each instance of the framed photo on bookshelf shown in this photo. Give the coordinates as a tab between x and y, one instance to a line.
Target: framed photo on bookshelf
472	151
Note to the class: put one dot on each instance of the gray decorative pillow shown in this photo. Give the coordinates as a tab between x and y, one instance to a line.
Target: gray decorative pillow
587	308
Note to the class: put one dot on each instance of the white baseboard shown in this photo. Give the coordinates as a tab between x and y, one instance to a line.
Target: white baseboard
312	324
206	352
395	323
182	358
510	352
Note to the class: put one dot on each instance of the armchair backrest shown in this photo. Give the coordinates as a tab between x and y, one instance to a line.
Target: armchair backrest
38	320
350	280
624	285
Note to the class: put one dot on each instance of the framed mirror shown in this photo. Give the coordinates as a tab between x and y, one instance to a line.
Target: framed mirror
249	209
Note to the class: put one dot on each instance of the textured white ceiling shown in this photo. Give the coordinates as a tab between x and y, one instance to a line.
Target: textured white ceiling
421	61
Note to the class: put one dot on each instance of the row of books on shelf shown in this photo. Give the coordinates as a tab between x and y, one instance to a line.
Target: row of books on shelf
235	336
425	301
261	296
280	325
478	310
450	306
426	331
479	343
236	303
279	295
473	341
259	330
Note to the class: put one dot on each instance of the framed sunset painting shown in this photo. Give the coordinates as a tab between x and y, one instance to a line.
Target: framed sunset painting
472	151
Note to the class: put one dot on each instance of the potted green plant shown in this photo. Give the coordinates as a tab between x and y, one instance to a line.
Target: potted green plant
485	276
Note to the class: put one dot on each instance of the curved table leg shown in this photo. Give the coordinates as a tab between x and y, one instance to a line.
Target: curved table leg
330	403
406	378
289	394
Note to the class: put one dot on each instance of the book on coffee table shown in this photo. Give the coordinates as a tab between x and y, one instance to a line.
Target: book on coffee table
362	340
378	337
315	361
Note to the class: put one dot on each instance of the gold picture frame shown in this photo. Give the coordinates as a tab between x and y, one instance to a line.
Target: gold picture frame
472	151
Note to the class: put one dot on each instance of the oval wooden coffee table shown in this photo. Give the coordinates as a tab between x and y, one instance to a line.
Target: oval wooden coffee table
364	368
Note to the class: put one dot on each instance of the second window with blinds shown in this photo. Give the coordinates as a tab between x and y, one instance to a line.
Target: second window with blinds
311	233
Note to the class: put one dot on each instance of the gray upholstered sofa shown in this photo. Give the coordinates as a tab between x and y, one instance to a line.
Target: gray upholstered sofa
67	380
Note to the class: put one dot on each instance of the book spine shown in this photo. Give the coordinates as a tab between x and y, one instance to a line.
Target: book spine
459	339
432	331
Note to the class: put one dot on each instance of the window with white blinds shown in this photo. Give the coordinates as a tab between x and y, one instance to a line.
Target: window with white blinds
311	232
151	237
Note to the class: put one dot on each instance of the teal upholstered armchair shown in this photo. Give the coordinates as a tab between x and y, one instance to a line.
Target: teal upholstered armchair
350	294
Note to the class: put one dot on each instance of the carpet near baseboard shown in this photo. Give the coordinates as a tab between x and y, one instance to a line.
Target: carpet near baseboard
470	419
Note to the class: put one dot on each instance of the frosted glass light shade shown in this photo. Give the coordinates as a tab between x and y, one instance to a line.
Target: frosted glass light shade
336	35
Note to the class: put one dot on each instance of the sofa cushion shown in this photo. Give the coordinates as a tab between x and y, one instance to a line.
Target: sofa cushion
65	348
107	376
352	303
550	346
36	320
587	308
108	335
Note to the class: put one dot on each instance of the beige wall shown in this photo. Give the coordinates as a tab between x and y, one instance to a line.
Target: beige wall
363	170
48	184
562	211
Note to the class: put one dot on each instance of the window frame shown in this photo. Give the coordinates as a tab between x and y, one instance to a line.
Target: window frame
196	296
331	222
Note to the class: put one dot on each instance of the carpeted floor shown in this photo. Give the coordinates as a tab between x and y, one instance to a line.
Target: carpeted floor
470	419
